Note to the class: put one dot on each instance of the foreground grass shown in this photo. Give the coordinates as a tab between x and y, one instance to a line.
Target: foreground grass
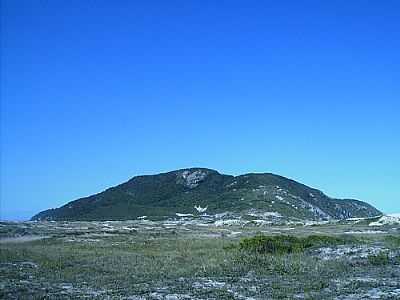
277	267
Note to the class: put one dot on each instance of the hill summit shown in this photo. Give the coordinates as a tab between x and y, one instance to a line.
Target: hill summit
196	191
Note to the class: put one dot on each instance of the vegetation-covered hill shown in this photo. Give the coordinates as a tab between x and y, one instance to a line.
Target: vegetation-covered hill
166	194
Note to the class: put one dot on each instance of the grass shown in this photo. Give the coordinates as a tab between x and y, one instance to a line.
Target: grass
392	241
262	267
133	265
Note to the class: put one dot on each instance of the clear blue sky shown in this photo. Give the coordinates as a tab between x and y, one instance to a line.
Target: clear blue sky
95	92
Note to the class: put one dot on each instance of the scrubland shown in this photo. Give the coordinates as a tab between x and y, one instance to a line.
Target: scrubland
194	260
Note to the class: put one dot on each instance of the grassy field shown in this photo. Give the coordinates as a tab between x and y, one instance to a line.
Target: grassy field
161	260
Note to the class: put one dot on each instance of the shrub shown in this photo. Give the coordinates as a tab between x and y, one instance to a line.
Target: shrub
271	244
284	244
321	241
380	259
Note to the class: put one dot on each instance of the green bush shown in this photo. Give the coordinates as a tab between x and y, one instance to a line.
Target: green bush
272	244
285	244
321	241
380	259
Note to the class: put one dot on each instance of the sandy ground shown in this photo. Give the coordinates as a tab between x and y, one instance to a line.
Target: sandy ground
22	239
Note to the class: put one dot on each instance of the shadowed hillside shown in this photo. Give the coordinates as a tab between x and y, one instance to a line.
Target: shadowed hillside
166	194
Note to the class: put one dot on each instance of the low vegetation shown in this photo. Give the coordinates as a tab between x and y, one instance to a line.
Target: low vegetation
189	262
380	259
286	244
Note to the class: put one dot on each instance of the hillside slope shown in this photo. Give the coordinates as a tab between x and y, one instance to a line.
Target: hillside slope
166	194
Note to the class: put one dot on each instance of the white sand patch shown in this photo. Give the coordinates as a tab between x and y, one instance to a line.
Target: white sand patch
234	233
366	232
351	252
230	222
264	214
184	215
261	222
387	220
206	284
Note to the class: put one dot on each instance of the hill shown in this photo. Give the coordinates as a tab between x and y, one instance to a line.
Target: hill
198	190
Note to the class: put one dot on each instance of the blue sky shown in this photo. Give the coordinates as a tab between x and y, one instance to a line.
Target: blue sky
95	92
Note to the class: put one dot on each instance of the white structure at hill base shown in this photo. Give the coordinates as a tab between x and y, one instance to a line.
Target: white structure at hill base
200	209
